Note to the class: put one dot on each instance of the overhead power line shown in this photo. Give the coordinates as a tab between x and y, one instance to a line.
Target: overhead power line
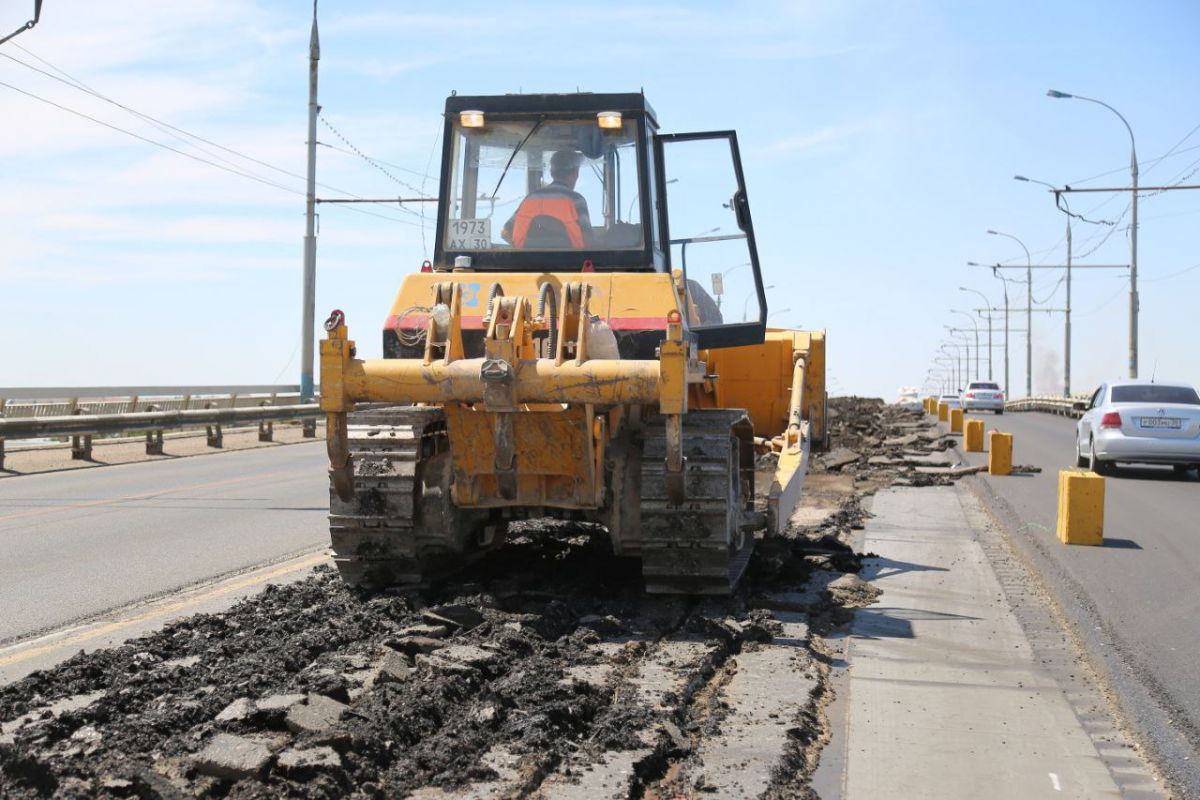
154	142
371	161
1149	163
166	127
185	154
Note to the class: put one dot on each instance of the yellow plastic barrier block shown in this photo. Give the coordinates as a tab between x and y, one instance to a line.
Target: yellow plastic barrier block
943	412
1000	449
1080	507
956	420
973	435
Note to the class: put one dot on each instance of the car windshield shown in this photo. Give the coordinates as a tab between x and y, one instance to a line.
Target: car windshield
543	184
992	387
1155	393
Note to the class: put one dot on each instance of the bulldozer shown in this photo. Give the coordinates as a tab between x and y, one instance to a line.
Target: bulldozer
589	342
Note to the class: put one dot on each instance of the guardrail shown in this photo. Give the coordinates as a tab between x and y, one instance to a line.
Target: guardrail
1063	406
84	412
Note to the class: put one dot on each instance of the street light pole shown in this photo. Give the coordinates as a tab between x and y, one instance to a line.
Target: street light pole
746	302
951	363
1004	285
1028	311
976	327
1067	342
963	354
1133	229
308	307
987	304
965	344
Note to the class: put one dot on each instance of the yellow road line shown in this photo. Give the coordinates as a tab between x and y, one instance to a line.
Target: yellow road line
33	648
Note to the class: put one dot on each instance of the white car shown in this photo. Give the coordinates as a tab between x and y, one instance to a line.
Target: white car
951	400
1138	421
983	396
909	399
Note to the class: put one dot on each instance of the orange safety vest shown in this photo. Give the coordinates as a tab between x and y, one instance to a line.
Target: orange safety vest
560	208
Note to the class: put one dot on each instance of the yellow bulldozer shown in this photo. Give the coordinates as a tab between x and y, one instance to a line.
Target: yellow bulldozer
589	342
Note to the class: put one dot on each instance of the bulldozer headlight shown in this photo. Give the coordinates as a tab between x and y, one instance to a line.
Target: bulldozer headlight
609	119
470	119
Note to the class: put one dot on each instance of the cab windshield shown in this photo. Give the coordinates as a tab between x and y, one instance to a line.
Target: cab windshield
543	184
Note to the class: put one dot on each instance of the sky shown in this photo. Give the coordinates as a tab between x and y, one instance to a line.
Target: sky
879	142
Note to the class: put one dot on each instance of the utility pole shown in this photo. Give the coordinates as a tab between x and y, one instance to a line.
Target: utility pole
1067	343
976	328
988	304
308	325
1070	267
1134	305
1004	286
1028	311
966	345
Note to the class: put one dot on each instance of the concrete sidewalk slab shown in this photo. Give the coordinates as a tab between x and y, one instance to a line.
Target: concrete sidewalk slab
946	698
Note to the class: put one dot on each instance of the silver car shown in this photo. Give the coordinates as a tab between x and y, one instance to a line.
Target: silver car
983	396
951	400
1137	421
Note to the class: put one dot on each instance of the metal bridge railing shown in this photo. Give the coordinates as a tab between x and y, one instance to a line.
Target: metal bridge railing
81	413
1063	406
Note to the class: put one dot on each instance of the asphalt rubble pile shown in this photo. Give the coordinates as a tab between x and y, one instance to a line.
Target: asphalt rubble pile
883	444
317	690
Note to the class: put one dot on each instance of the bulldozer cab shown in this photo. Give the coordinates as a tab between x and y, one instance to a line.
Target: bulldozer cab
583	182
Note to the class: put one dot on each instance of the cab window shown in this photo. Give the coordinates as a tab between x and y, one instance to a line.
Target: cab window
541	184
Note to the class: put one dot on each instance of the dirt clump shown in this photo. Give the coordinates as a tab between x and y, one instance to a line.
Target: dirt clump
544	663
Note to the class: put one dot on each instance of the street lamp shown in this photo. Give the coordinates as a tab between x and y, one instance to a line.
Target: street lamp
1133	227
1028	312
1004	285
962	354
746	302
976	327
988	305
966	353
948	366
1067	346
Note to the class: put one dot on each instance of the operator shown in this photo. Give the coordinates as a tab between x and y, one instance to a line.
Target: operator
554	216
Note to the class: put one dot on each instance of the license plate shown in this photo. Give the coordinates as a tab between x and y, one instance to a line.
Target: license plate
1174	423
470	234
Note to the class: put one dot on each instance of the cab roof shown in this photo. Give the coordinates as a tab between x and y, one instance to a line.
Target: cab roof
573	103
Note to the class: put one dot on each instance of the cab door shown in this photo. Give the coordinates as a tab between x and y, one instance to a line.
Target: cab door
704	217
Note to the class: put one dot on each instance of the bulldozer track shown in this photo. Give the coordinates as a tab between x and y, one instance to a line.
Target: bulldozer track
699	547
375	535
544	671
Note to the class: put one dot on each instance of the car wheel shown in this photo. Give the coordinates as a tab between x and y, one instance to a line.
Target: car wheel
1094	464
1181	470
999	412
1080	459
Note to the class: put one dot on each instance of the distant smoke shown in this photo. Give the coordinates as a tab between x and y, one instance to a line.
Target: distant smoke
1048	377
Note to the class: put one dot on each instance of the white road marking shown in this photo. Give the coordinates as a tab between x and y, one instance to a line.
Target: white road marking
1054	781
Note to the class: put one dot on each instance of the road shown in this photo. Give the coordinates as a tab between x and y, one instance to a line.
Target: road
76	544
1144	584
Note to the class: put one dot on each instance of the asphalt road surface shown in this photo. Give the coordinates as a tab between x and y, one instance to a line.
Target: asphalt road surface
1144	583
75	544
